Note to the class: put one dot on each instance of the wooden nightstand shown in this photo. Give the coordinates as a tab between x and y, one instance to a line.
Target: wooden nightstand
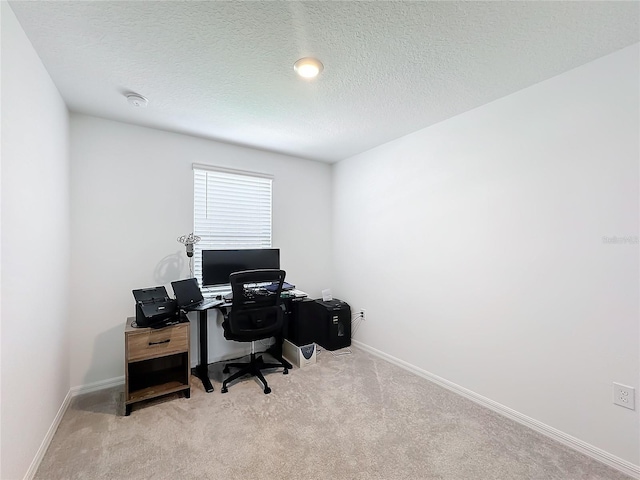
157	362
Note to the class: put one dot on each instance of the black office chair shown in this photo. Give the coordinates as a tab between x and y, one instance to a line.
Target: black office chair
255	314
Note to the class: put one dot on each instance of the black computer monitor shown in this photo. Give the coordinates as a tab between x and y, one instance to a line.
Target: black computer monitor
217	265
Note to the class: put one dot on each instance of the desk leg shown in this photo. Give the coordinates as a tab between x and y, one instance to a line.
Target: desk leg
275	351
202	370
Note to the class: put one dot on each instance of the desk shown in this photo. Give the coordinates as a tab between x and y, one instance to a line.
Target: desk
202	369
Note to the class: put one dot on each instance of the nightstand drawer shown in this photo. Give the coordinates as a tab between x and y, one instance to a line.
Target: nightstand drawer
150	343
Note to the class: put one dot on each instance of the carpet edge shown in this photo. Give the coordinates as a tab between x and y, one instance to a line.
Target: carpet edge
581	446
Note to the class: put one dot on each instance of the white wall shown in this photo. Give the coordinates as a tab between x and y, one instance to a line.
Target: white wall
132	196
35	250
476	247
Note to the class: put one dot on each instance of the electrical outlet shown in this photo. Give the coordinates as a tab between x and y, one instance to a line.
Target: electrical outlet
624	396
363	314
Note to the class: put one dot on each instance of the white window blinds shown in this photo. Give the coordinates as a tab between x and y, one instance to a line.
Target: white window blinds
231	210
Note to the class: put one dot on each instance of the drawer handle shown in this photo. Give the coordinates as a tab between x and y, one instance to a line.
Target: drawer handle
160	342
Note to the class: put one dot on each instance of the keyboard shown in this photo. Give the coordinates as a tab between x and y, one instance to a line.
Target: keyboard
208	303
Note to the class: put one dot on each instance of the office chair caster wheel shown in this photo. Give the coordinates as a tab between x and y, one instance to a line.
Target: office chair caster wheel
267	390
286	371
225	369
224	390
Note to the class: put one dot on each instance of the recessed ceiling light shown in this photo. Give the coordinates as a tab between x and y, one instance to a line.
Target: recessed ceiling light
136	100
308	67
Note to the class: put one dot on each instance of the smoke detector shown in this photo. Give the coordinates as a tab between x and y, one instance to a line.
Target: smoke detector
136	100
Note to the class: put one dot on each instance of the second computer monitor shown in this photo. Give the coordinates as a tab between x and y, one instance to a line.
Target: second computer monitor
217	265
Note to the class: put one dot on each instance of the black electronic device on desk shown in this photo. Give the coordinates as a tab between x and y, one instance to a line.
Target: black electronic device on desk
189	296
217	265
154	308
285	287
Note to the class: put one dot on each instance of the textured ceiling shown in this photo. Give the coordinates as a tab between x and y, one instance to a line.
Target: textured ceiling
224	70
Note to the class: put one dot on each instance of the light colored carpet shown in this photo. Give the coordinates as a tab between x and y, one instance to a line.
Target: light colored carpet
347	417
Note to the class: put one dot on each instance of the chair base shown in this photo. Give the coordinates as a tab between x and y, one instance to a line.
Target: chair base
253	368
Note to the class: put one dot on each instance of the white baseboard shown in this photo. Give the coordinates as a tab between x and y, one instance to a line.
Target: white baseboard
553	433
73	392
95	386
44	446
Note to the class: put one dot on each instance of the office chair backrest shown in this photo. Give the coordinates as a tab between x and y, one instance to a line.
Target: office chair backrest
255	314
256	288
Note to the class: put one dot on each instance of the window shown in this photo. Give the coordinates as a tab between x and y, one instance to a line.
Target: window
231	210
